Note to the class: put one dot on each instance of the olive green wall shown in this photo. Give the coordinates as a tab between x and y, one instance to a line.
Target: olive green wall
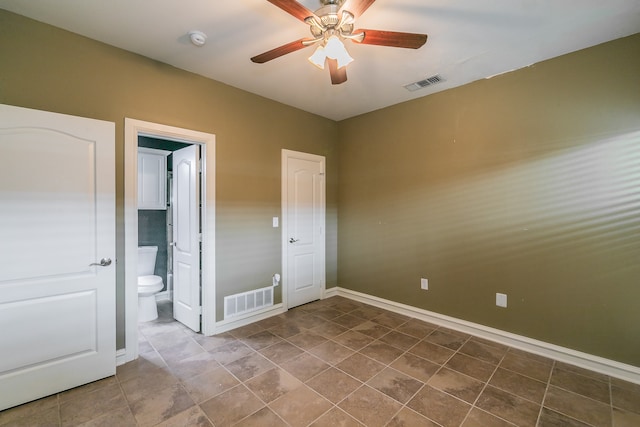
46	68
526	184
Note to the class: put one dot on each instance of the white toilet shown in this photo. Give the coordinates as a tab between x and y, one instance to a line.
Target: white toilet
148	284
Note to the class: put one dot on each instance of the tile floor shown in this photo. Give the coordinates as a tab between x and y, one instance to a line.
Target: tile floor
335	362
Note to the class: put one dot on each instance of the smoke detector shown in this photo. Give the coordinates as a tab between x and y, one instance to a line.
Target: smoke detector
198	38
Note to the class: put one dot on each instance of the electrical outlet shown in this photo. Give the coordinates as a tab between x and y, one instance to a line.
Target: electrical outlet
501	300
276	222
424	284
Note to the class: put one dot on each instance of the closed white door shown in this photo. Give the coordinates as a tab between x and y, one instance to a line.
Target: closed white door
303	229
186	236
57	222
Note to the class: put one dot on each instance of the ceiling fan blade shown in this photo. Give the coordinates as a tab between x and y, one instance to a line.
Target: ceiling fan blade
338	75
392	38
280	51
293	8
357	7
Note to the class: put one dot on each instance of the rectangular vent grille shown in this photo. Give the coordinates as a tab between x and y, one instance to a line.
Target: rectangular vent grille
246	302
429	81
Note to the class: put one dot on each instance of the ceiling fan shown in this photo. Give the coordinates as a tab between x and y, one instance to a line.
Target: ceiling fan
330	25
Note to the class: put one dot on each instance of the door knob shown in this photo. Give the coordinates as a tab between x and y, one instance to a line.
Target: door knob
104	262
292	240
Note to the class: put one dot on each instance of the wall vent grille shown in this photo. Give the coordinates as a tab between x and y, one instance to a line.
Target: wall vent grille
429	81
246	302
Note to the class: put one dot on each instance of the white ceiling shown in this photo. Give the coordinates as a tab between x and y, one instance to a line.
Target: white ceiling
468	40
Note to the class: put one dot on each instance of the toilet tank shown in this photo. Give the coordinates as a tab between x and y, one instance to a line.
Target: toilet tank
147	260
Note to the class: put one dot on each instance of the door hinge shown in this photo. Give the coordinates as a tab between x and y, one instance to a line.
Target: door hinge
199	310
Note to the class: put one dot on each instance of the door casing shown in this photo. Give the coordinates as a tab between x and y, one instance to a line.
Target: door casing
133	129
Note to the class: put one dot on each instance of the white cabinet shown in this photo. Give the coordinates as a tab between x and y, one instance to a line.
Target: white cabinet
152	178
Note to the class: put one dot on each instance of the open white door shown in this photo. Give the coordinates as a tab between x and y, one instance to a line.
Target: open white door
303	226
186	237
57	280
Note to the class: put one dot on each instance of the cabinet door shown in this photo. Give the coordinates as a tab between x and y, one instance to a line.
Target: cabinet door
152	180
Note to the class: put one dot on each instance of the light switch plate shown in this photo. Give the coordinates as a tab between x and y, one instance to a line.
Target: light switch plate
276	222
501	300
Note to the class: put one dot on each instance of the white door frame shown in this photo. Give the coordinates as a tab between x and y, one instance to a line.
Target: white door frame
286	154
134	128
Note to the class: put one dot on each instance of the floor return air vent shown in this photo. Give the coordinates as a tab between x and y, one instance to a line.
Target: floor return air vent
246	302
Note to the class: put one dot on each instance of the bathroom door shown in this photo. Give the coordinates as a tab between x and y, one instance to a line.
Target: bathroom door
186	236
303	209
57	222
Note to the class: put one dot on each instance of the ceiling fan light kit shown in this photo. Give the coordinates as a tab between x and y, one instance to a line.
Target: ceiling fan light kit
331	25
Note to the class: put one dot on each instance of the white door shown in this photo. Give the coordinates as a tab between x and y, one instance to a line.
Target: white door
186	237
303	226
57	221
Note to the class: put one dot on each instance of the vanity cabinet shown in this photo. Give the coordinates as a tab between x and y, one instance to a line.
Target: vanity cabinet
152	178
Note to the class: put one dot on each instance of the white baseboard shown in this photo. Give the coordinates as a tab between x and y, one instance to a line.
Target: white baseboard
243	320
584	360
331	292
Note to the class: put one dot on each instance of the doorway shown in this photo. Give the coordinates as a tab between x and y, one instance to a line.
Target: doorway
134	130
303	230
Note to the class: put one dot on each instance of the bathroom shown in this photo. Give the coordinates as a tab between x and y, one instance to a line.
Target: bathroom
155	213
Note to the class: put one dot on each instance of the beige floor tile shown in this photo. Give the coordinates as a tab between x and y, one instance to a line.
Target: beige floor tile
336	418
456	384
480	418
334	384
470	366
307	340
120	417
329	329
395	384
142	386
452	341
209	343
301	406
484	352
580	384
579	407
192	417
281	352
626	398
263	418
348	321
194	365
360	367
526	366
416	367
390	320
331	352
46	417
272	384
383	353
408	418
399	340
417	328
549	418
519	385
161	405
231	352
249	366
29	410
372	329
247	330
286	329
180	351
622	418
508	406
305	366
432	352
261	340
367	312
92	405
209	384
354	340
370	407
439	407
231	406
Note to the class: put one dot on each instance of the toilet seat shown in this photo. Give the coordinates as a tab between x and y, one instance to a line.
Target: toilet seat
146	281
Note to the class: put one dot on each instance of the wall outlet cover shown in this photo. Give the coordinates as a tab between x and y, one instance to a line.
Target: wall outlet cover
424	284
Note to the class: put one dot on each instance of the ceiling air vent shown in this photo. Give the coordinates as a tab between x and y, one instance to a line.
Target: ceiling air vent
429	81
